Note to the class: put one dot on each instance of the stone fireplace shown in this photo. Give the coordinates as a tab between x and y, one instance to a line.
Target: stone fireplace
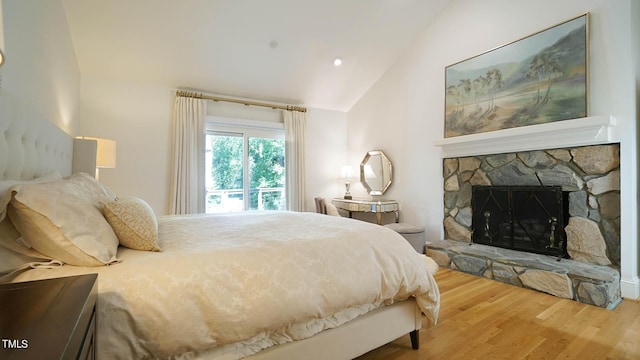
589	179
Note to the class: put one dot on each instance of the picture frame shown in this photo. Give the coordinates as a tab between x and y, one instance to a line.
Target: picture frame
537	79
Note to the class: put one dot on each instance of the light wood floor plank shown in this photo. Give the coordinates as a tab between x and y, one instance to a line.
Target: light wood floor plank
485	319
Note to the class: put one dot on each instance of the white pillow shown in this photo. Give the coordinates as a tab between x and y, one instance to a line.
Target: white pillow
63	220
5	185
13	255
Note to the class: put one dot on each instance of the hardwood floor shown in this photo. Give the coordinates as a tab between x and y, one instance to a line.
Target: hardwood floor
486	319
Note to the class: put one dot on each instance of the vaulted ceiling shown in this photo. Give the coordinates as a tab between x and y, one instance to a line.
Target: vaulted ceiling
271	50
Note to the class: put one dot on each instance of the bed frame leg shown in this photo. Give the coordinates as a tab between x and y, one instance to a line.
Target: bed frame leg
415	339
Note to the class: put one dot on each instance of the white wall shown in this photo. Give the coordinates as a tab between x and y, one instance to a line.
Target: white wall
635	56
139	118
325	152
403	113
40	72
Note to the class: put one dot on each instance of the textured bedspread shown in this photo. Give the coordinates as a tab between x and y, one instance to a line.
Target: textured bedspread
227	286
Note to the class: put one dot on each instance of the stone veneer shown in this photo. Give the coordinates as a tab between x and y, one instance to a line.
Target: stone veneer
591	175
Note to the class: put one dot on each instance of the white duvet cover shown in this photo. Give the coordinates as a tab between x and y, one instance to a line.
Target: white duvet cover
227	286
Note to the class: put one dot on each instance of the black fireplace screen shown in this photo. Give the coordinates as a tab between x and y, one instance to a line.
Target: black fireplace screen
526	218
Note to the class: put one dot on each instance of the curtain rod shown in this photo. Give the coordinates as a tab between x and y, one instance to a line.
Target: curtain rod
243	102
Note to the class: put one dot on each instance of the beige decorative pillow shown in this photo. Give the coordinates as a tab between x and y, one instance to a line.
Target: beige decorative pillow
63	220
134	223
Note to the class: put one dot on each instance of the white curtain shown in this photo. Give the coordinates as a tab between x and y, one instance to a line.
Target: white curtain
187	188
295	123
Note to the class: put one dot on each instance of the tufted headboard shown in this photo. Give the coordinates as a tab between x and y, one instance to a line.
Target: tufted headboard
30	148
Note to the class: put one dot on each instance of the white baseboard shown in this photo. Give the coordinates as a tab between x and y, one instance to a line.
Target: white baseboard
630	289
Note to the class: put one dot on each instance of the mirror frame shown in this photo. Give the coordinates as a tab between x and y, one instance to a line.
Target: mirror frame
363	179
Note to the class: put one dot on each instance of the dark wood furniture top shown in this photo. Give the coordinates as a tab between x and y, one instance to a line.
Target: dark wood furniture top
49	319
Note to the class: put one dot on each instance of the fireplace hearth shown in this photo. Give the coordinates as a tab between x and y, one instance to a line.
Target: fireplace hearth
525	218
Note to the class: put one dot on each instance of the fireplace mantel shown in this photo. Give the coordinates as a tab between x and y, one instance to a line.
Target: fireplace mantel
590	130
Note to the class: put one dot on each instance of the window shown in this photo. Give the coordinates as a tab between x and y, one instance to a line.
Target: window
245	167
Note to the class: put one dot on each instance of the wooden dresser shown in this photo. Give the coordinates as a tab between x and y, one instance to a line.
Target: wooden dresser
49	319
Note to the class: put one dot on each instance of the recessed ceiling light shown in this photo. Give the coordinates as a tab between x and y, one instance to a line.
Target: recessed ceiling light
337	62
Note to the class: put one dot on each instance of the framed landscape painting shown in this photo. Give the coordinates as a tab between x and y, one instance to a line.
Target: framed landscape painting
538	79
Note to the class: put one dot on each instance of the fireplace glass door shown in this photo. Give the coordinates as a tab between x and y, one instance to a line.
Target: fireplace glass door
525	218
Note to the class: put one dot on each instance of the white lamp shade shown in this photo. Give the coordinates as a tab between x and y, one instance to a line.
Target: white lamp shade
347	172
106	152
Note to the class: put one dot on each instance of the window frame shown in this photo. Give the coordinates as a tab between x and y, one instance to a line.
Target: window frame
246	129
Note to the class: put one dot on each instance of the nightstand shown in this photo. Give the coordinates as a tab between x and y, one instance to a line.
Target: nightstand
49	319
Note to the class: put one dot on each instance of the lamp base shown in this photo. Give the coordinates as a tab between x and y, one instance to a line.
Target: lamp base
347	187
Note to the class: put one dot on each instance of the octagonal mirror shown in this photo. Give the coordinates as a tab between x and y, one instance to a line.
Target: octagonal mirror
376	172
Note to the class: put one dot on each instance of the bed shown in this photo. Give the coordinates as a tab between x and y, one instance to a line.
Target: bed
257	285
